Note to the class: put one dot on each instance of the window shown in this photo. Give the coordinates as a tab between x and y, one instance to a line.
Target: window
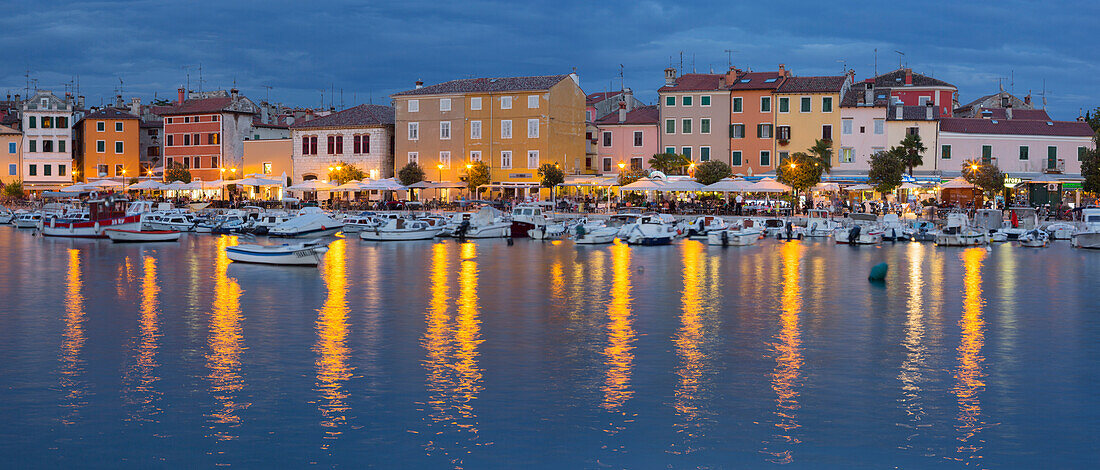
357	145
606	165
669	101
638	139
685	101
1023	152
826	104
60	170
532	158
265	168
62	122
187	139
1081	152
475	104
47	122
212	138
100	146
783	132
31	122
445	130
506	103
783	157
765	158
32	170
195	139
686	151
923	100
737	131
1052	156
880	126
506	159
444	104
34	145
846	155
670	126
636	163
339	145
414	157
588	115
118	147
846	126
704	100
305	145
945	152
12	148
685	126
987	153
47	170
119	171
171	140
704	126
169	120
47	146
331	145
737	105
765	104
414	131
606	138
100	126
414	106
118	127
784	104
11	169
533	128
445	159
533	101
475	156
735	158
805	104
671	150
764	131
912	131
313	145
704	154
862	129
475	129
827	132
506	129
213	162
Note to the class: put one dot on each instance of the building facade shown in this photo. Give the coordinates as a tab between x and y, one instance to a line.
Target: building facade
862	128
361	136
270	158
752	119
807	109
107	145
695	116
11	155
628	137
47	142
205	132
1021	148
901	121
914	89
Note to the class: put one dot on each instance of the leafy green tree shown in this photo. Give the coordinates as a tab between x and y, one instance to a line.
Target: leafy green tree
913	151
13	190
1090	170
822	151
886	170
1093	119
669	163
550	176
711	172
177	173
631	175
343	172
800	171
477	174
986	176
410	174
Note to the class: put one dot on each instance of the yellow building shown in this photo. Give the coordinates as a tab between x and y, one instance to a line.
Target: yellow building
11	154
270	158
513	125
107	146
807	109
923	121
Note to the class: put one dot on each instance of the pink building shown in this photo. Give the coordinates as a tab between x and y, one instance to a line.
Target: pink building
627	137
1023	148
914	89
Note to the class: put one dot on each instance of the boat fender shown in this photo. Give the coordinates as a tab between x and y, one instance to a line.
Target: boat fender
53	223
725	238
96	227
878	272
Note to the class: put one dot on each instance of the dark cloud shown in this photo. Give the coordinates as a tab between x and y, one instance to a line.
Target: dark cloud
372	49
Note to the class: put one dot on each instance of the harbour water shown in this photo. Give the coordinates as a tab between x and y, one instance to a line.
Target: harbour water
548	355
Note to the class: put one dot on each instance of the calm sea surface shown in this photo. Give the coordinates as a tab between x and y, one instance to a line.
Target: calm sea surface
540	355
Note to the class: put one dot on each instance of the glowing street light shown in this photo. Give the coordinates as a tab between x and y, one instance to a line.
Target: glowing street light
622	165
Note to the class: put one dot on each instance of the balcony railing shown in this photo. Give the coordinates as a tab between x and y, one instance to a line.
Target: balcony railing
1058	166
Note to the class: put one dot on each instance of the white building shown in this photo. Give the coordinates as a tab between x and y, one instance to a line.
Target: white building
360	136
47	142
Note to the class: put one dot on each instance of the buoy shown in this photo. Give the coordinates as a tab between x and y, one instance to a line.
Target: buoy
878	272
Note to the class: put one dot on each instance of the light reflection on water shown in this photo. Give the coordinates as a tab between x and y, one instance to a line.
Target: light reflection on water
72	342
969	376
786	378
333	354
225	343
619	356
694	341
141	377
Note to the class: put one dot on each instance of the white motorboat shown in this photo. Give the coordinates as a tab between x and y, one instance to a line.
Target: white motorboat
26	219
6	215
174	219
220	224
703	225
1061	230
594	234
528	217
400	230
310	222
359	223
864	230
1021	220
1034	238
102	214
486	223
307	253
818	224
894	230
734	236
1089	235
652	229
124	236
264	222
958	232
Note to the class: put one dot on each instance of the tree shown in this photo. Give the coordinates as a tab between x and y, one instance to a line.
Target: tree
822	151
631	175
712	171
343	172
669	163
800	171
550	176
177	173
1093	119
886	169
13	190
477	174
985	176
1090	170
410	174
913	151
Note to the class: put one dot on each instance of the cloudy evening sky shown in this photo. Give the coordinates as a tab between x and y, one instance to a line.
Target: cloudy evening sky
372	49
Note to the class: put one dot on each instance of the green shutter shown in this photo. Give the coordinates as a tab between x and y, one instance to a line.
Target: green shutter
784	104
945	152
670	126
686	101
705	100
1023	152
1052	157
765	158
737	105
735	158
704	154
1081	151
987	153
806	104
827	104
670	101
731	131
704	126
766	104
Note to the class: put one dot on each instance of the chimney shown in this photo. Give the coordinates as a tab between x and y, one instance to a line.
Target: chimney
731	75
234	92
869	94
928	111
419	84
135	106
622	112
908	76
670	76
118	101
899	114
79	101
181	92
1027	99
264	115
1008	111
17	100
628	98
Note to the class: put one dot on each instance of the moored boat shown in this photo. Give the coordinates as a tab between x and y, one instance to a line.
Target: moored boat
1089	236
133	236
400	230
310	222
306	253
102	214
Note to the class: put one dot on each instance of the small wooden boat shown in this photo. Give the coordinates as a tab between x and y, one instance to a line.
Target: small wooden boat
133	236
301	254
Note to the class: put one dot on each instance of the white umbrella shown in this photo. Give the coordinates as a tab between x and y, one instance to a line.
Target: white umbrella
312	185
105	184
197	184
682	185
909	186
388	184
79	188
644	184
147	184
768	185
254	181
957	183
826	187
352	185
860	187
729	185
424	184
174	186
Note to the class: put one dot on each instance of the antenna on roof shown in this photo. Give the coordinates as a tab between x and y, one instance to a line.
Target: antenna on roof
729	57
268	98
901	59
681	62
622	78
876	61
843	65
1044	94
692	62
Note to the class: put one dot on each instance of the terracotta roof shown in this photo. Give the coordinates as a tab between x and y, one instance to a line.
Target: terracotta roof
1021	114
1015	127
812	84
697	82
594	98
151	123
8	130
488	85
639	116
912	113
757	81
110	113
270	125
362	115
852	98
897	79
203	105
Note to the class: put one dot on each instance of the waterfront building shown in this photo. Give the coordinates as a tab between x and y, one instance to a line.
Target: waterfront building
269	158
807	109
47	143
205	132
988	104
914	89
107	145
752	118
361	136
599	105
695	115
512	124
628	137
902	121
862	128
11	154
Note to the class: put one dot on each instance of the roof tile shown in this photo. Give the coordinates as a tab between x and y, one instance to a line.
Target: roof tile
487	85
362	115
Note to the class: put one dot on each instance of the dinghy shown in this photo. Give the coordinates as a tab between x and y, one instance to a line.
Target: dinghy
134	236
300	254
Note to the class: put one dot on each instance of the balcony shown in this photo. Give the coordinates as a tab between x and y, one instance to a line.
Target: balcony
1058	166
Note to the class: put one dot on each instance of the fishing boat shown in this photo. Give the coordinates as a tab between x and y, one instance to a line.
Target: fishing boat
360	222
133	236
1021	220
174	219
922	231
594	233
894	230
528	217
1089	236
26	219
306	253
400	230
703	225
958	232
310	222
102	214
6	215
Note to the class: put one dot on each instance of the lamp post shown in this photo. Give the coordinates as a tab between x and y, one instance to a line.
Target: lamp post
622	165
439	166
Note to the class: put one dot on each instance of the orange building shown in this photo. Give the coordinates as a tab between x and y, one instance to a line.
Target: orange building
107	146
752	119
